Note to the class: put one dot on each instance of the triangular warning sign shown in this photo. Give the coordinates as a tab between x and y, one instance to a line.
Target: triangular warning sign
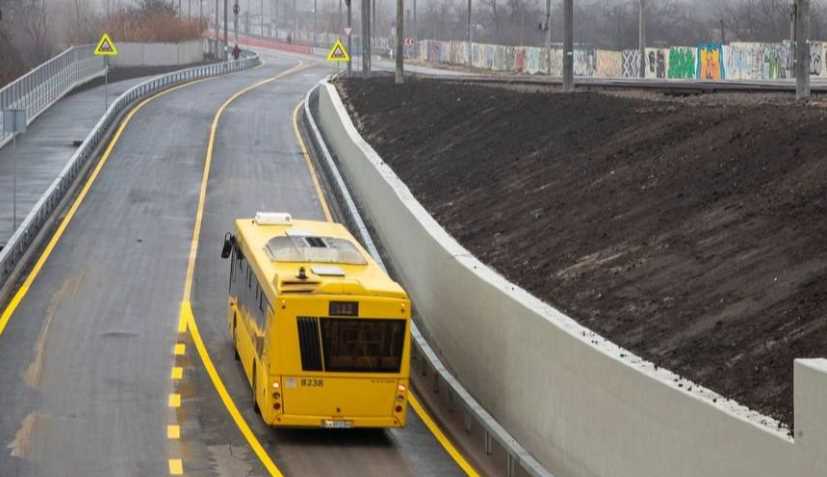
106	47
338	53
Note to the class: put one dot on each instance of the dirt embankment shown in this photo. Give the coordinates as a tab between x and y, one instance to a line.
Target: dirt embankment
692	233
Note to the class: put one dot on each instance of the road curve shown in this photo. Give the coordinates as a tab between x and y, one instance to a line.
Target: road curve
85	360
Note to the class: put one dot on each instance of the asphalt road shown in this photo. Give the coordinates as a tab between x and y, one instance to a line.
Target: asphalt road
85	360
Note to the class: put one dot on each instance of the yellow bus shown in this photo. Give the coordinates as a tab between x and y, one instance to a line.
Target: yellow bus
322	333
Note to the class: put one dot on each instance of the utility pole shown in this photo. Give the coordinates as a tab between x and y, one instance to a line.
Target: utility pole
349	36
315	21
236	10
414	25
400	42
802	49
568	45
469	33
548	33
365	37
217	26
226	23
642	38
723	32
261	33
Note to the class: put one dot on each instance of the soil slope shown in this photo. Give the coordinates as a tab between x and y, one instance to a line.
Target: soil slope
690	233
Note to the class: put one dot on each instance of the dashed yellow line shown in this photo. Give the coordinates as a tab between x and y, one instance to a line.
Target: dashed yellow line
219	386
173	432
21	293
180	349
310	167
186	319
177	373
176	467
174	400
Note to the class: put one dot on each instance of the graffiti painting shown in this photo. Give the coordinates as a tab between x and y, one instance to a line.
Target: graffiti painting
709	62
682	62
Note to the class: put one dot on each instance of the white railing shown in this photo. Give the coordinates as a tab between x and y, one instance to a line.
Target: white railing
15	250
40	88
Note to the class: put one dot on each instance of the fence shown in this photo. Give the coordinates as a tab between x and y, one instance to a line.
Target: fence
737	61
15	250
46	84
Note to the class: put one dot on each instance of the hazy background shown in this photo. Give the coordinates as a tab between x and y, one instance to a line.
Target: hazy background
34	30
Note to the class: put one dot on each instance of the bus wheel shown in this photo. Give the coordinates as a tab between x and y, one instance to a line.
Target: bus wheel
235	340
255	400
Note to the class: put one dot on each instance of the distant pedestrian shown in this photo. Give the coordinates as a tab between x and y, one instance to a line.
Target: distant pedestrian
236	52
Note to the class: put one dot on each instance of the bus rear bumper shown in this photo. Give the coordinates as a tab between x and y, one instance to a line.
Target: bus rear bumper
320	422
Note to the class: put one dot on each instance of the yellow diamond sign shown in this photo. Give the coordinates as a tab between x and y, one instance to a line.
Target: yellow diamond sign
106	47
338	53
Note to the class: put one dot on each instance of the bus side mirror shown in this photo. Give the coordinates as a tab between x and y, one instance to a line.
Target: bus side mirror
229	240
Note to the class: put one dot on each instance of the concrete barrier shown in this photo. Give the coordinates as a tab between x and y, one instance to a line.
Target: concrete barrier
159	54
580	404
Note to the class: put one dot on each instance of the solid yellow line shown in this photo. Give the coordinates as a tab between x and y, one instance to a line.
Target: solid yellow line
420	410
186	319
248	434
309	163
441	437
8	312
199	212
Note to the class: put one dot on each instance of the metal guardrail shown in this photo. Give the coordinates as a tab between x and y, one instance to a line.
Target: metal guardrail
26	233
517	458
40	88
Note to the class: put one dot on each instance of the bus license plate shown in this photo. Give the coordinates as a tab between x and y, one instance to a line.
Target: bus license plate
337	424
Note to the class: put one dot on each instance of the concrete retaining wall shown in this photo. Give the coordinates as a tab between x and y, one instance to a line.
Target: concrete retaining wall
159	54
581	405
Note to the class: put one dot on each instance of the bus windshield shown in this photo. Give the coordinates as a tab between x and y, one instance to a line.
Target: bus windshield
360	345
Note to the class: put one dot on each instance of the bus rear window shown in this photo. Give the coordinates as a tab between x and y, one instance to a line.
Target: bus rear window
360	345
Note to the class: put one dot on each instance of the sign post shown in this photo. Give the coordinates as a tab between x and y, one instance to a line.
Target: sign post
348	32
14	123
106	48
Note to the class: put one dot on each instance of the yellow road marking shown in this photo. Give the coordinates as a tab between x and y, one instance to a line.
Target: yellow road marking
199	212
309	163
180	349
441	437
248	433
176	467
418	408
21	293
186	319
174	400
177	373
173	432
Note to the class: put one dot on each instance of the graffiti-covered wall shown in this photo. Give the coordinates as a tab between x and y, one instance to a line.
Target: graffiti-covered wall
709	61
